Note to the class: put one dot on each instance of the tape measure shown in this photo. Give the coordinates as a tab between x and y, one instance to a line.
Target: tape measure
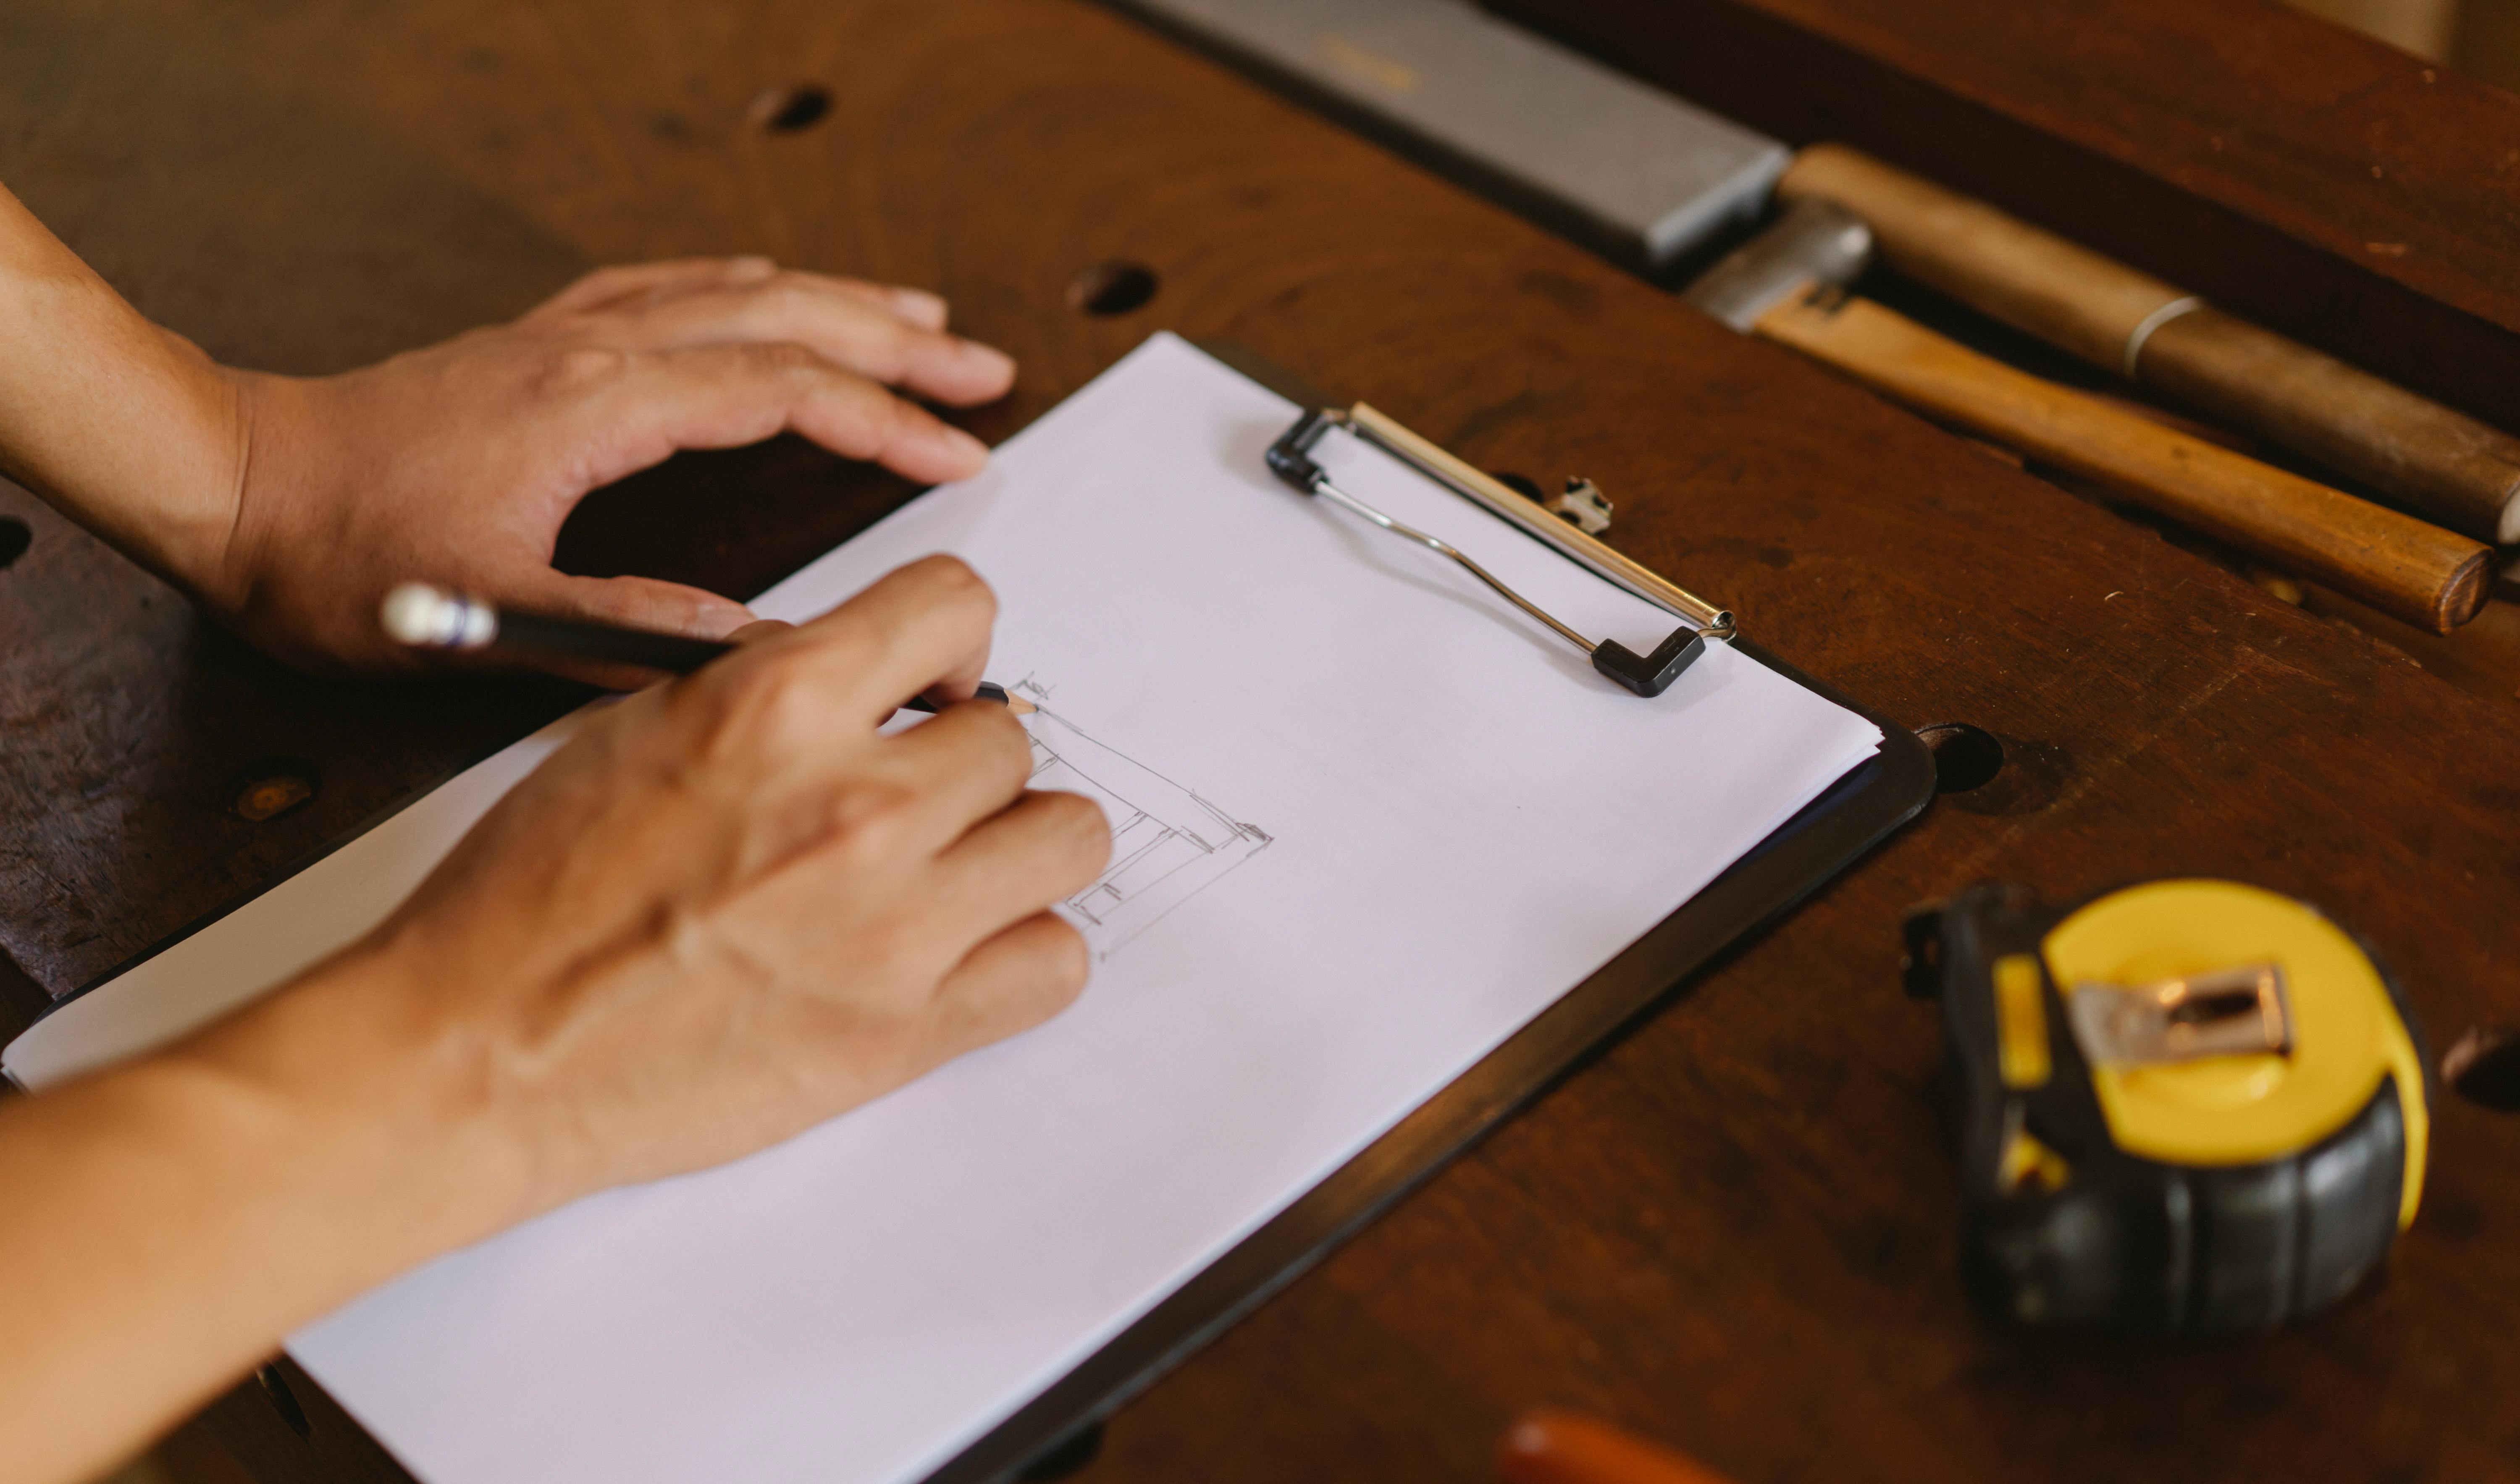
2191	1106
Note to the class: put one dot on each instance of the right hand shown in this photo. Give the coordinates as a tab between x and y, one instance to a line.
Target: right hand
726	911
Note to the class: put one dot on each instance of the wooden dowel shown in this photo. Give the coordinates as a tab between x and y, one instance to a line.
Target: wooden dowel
2457	470
2413	570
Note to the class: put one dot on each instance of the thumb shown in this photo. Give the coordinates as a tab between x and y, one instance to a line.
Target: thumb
631	602
637	603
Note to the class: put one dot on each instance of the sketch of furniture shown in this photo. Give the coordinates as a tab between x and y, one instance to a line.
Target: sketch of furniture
1167	843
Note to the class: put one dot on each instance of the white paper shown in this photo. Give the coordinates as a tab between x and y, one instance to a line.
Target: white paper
1374	821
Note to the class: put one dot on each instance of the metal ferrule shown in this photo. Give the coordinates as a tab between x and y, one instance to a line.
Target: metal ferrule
1816	245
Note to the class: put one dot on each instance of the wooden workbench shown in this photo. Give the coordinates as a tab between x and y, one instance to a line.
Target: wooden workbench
1734	1229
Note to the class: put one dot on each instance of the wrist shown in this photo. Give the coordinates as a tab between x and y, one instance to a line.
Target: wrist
171	1222
127	430
397	1147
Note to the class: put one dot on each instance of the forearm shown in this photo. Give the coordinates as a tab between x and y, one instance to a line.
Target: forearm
166	1224
121	426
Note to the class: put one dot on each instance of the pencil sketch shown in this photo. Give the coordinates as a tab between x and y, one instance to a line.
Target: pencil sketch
1168	844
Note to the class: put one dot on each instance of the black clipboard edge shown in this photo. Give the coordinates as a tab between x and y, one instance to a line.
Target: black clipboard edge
1827	835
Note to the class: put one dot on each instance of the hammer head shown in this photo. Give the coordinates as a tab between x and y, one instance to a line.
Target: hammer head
1816	245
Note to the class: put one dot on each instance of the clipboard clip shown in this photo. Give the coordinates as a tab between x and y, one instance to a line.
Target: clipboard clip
1290	460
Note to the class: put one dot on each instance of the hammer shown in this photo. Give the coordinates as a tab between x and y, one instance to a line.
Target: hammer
1786	285
1655	183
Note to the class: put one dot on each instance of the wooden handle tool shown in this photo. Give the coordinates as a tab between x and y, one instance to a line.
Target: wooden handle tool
2406	568
2463	473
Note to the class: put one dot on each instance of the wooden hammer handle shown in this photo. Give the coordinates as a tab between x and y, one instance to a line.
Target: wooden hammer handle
2402	567
2450	465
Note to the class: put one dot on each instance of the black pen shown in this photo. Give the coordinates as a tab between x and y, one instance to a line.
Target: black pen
426	618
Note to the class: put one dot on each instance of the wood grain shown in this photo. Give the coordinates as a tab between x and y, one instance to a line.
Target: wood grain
2483	657
1734	1231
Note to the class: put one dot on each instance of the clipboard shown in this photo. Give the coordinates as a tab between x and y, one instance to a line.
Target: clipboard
1855	813
1831	834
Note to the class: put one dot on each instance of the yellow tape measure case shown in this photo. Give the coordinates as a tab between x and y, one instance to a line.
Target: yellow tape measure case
2189	1106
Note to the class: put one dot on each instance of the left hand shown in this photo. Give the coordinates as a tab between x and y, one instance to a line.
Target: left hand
455	465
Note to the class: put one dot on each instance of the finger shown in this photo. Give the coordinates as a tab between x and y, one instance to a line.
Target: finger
1044	848
636	602
966	765
760	629
632	602
647	405
849	329
782	701
611	285
1010	983
920	307
919	628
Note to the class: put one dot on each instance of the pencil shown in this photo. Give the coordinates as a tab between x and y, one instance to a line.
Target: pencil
427	618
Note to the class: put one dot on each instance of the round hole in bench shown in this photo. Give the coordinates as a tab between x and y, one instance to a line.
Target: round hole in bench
16	536
1965	757
1522	485
1111	288
787	110
2484	1067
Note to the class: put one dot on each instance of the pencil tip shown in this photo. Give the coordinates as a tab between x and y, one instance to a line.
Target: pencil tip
1020	706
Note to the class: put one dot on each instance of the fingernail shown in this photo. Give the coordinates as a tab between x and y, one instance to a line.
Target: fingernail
920	307
750	266
990	359
964	444
717	620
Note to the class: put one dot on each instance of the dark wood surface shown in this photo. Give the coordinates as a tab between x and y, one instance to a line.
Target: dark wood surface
2301	176
1732	1231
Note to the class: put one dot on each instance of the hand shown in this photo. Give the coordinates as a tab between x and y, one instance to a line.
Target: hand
456	465
728	910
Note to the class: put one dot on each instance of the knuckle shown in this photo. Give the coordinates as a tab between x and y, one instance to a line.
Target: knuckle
894	949
788	361
954	583
874	819
771	708
850	642
891	346
788	297
1081	828
890	992
575	368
